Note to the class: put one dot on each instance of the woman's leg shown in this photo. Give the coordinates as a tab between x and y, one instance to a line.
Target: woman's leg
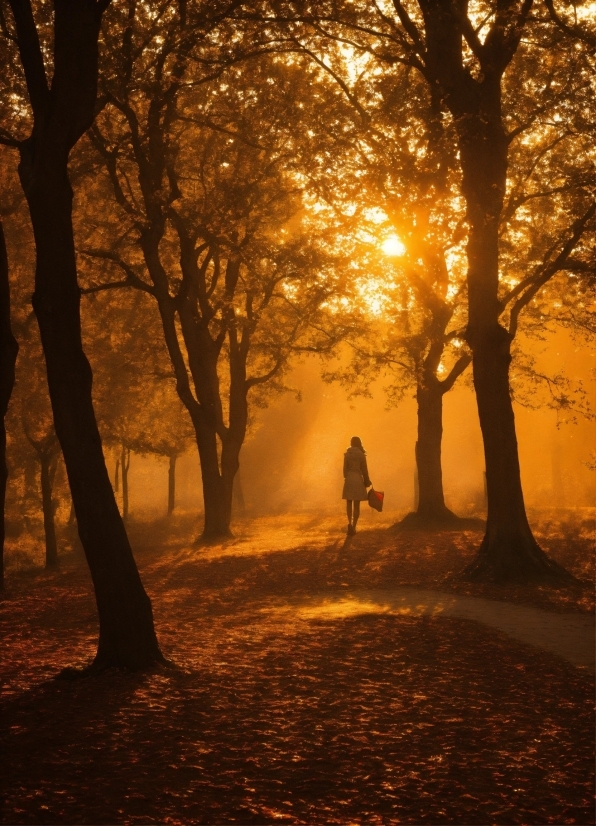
356	511
349	509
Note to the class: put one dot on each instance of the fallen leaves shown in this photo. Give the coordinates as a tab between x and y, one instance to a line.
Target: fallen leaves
285	717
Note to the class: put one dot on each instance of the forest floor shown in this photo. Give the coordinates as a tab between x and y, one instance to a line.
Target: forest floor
301	693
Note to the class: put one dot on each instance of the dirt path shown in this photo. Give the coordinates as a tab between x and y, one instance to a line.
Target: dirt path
570	636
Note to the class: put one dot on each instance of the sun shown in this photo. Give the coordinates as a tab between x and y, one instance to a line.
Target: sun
392	246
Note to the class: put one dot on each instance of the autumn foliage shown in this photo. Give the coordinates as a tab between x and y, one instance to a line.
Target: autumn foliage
194	198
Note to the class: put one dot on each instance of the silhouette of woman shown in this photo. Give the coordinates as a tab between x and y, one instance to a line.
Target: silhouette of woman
356	481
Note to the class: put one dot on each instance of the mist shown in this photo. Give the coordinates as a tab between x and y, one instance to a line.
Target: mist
292	458
297	412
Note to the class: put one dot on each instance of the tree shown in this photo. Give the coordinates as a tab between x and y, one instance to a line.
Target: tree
137	406
465	57
61	113
199	151
47	456
35	419
8	354
397	182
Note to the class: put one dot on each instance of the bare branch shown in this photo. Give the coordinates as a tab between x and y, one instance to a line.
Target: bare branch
113	285
131	280
458	368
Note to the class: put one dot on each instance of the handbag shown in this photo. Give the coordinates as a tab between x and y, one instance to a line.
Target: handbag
375	499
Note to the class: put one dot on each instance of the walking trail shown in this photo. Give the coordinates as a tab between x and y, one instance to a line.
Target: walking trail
570	636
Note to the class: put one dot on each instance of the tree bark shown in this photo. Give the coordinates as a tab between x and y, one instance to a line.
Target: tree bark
508	551
239	503
217	501
8	355
172	484
430	509
62	113
431	499
46	460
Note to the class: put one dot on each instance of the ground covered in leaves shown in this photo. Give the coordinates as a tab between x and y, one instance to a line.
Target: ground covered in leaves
276	713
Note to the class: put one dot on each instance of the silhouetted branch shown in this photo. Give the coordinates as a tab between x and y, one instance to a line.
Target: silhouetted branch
131	280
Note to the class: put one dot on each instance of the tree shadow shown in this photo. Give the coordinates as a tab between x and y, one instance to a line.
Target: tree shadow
303	726
415	521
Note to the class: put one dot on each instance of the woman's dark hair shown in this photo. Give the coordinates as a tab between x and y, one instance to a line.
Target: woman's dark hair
355	442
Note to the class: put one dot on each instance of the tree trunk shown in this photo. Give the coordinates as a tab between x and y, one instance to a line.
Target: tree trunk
508	551
124	466
49	526
126	633
62	113
172	484
8	355
203	369
431	510
239	503
216	497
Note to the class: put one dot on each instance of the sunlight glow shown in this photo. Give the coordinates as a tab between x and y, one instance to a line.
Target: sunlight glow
392	246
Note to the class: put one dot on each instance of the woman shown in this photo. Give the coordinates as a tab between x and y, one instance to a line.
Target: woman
356	481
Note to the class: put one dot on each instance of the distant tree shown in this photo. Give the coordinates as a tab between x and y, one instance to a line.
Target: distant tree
47	453
8	355
34	416
65	45
137	406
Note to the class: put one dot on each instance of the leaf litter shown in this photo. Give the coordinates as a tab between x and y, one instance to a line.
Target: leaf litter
286	717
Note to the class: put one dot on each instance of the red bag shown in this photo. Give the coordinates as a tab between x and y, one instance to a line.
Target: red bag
375	499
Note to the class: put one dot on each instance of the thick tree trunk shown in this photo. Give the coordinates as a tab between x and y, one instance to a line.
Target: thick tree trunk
431	510
216	496
49	526
239	503
126	632
8	355
508	551
62	112
172	484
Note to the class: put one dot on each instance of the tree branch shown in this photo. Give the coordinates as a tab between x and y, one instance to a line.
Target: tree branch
31	55
456	371
573	31
559	263
131	280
